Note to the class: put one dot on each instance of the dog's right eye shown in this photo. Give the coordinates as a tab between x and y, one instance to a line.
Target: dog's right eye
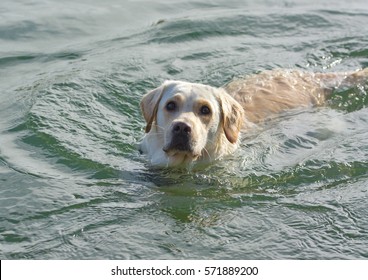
171	106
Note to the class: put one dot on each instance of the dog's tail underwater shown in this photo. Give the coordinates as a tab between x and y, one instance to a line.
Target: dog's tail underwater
343	80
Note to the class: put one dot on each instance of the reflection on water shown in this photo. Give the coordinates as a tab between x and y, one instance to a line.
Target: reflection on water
73	184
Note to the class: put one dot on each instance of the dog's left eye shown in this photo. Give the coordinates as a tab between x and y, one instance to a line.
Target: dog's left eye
205	110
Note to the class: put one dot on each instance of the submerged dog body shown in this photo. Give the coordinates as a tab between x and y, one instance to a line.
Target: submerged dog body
191	123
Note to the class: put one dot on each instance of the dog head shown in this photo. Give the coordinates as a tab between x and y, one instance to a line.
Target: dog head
189	122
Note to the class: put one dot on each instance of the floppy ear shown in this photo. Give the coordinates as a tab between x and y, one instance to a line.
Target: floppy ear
232	116
149	105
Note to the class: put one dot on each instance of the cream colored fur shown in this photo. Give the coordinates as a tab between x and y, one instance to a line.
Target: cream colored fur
237	106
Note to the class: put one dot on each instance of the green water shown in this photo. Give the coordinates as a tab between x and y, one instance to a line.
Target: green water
74	186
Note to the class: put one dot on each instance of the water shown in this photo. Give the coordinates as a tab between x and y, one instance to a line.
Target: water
74	186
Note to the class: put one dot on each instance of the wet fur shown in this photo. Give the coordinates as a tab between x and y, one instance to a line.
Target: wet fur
236	107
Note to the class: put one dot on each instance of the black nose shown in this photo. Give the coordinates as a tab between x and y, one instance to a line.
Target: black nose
181	128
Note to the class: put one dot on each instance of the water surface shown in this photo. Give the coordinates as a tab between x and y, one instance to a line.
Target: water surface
74	186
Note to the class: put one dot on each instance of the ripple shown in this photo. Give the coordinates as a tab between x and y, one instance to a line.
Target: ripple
73	185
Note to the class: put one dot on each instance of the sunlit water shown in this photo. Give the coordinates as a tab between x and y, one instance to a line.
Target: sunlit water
73	185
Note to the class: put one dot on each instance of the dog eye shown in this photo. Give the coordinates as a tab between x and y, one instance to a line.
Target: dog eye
205	110
171	106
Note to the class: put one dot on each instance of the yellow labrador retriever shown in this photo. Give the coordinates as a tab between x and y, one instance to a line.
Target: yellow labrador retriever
191	123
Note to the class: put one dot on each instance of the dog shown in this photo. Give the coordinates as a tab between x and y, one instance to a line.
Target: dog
191	123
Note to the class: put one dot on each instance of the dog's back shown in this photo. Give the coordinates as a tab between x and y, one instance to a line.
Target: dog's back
269	93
